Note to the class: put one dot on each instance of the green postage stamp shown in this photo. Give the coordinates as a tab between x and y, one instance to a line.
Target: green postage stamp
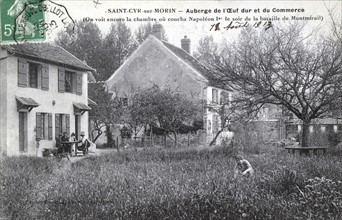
32	20
21	21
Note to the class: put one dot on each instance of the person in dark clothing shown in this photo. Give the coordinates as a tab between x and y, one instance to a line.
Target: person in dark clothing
67	147
58	144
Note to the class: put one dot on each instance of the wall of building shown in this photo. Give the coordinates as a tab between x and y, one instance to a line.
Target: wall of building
211	112
3	101
154	64
63	105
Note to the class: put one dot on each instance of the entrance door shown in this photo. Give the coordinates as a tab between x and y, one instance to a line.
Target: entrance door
22	132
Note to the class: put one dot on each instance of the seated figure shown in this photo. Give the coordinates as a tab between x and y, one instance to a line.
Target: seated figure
242	167
59	145
85	144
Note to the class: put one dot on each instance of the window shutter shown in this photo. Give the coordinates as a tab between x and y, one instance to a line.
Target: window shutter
22	73
74	83
67	119
45	77
38	125
61	80
50	126
79	84
57	125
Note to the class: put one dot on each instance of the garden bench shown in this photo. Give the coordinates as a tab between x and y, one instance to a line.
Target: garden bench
306	150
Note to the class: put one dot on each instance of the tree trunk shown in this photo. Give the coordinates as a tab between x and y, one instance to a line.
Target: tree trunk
305	134
109	136
99	133
176	141
165	141
151	136
216	136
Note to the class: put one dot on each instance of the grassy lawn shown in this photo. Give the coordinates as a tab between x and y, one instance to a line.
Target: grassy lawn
173	184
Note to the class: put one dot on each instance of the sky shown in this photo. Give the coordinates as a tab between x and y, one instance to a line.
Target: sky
176	30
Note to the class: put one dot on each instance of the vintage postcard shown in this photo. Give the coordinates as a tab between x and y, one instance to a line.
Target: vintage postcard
170	109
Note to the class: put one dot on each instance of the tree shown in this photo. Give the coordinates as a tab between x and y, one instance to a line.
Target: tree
207	50
285	66
117	46
85	43
164	109
107	112
145	30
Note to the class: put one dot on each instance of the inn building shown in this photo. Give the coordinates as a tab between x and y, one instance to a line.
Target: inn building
43	94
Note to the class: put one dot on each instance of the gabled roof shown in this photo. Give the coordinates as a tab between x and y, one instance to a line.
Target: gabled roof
49	53
211	75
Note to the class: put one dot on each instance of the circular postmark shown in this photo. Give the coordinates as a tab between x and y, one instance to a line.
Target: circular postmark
40	19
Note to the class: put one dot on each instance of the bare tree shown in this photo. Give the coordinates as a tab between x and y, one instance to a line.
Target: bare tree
283	66
107	112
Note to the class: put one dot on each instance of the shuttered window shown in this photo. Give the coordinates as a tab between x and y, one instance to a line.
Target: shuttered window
214	95
62	124
61	80
44	125
39	125
69	81
45	77
22	73
33	75
79	84
67	121
57	125
50	126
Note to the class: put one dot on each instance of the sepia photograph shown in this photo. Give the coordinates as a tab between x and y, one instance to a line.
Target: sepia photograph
170	109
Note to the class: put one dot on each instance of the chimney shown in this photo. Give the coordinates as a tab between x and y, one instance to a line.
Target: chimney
185	43
157	31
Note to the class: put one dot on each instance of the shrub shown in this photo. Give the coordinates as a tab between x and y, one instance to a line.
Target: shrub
320	199
186	183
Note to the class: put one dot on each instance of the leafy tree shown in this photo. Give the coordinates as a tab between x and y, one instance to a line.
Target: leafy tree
85	43
164	109
117	46
285	66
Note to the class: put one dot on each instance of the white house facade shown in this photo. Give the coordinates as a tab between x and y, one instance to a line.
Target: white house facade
43	94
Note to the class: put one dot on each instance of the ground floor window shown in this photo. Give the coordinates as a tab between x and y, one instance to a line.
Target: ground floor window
44	125
62	124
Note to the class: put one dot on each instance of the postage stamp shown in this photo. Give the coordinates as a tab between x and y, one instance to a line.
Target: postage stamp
32	20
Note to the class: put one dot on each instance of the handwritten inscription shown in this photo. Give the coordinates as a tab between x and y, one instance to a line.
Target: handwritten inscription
96	2
238	24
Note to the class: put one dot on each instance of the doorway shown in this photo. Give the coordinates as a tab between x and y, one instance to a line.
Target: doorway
78	126
23	132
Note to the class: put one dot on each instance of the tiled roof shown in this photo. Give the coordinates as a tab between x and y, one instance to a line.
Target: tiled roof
211	75
48	52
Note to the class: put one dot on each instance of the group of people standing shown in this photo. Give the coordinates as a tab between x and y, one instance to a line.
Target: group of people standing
71	144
